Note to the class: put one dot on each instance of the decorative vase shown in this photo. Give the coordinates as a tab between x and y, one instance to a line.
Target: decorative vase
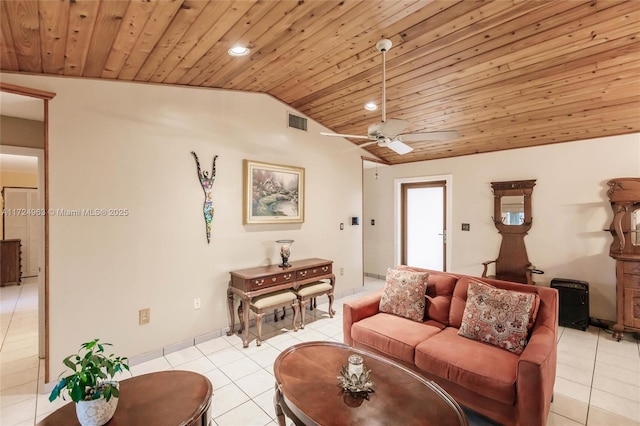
285	252
96	412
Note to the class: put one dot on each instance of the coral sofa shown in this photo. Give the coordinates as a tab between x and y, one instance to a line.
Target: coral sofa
509	388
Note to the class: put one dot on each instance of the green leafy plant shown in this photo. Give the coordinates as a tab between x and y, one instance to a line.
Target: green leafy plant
92	369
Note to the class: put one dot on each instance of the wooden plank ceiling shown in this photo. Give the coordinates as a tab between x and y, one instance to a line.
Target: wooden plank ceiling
504	74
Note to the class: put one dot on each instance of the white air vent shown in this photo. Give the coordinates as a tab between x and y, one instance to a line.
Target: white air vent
297	122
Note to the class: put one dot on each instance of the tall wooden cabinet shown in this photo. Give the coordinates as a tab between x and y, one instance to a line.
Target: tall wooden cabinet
624	194
10	262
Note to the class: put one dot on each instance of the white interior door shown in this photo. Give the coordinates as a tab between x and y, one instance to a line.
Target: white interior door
22	222
424	225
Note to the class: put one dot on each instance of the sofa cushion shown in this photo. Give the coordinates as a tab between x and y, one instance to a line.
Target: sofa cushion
439	292
480	367
392	335
440	288
459	298
404	294
498	317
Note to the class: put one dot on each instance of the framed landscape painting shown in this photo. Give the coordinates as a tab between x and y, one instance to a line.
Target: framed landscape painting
273	193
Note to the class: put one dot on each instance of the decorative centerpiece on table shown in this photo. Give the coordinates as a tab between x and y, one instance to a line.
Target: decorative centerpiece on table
285	252
91	385
355	380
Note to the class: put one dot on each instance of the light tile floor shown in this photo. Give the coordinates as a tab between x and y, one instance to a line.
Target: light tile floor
597	384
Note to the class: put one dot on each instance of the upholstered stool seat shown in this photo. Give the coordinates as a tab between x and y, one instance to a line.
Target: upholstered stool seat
311	291
269	302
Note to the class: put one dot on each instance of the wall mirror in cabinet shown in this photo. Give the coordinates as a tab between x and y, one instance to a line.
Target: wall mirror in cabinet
635	227
512	209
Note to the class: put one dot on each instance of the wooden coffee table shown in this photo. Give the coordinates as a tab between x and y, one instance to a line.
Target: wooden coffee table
307	391
163	398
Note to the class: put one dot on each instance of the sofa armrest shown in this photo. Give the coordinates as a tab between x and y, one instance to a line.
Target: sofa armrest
536	376
356	310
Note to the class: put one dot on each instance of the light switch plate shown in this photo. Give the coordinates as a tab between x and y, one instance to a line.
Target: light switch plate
144	316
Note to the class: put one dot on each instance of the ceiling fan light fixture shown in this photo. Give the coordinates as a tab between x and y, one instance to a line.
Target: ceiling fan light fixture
371	106
238	51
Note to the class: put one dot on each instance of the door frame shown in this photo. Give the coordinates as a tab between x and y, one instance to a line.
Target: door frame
397	186
43	293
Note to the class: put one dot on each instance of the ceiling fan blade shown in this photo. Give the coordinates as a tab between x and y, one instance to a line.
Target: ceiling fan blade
399	147
362	145
344	136
388	129
428	136
393	127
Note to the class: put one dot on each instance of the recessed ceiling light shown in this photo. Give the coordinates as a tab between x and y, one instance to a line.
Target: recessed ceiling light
238	51
370	106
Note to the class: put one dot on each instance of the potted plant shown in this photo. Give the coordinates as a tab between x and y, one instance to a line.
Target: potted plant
91	385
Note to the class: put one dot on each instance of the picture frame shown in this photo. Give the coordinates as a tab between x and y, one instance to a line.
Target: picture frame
273	193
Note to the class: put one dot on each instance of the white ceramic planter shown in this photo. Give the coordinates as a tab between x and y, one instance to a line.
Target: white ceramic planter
96	412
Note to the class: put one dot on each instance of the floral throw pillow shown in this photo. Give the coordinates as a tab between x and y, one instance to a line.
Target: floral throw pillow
496	316
404	294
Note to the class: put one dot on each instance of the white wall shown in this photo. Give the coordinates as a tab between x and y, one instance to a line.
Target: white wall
570	210
127	145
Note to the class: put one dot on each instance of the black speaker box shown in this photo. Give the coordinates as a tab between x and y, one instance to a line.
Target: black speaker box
574	302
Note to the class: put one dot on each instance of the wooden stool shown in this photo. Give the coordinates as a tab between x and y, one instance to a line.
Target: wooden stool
311	291
270	302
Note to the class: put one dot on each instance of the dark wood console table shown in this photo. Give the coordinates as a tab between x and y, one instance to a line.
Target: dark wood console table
252	282
162	398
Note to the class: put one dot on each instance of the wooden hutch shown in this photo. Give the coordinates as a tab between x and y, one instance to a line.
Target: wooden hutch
10	262
624	194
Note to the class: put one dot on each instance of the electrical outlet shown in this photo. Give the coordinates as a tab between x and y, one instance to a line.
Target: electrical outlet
196	303
144	316
341	271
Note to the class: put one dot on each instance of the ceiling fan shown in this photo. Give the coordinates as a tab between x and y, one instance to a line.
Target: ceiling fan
389	132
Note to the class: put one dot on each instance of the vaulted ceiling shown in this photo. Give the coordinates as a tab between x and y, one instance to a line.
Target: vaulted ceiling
504	74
